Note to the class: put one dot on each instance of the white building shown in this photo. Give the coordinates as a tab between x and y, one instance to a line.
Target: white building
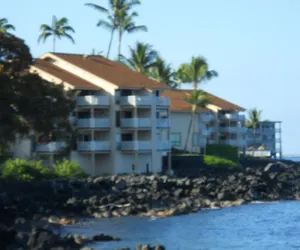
122	120
266	140
220	122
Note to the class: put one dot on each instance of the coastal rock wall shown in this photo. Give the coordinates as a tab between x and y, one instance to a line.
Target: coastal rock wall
135	195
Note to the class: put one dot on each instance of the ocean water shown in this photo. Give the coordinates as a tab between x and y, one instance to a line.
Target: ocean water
274	226
292	158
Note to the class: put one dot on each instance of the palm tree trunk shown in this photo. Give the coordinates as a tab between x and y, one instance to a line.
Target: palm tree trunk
120	43
54	43
254	140
188	134
110	42
192	131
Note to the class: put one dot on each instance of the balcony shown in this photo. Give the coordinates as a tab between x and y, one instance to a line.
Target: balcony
92	100
242	130
50	147
232	117
211	130
202	142
234	142
163	101
163	123
228	129
164	145
136	101
93	146
136	145
207	118
93	123
136	123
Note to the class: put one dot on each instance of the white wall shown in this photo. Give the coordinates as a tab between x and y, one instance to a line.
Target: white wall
104	164
84	161
22	148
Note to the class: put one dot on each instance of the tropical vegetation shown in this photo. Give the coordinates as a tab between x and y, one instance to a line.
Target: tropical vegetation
253	121
197	99
5	26
59	28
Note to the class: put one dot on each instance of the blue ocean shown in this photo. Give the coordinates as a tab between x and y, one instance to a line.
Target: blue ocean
274	226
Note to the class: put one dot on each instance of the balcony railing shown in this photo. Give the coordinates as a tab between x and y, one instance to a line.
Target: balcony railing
163	123
94	146
50	147
206	118
92	100
136	123
233	117
136	101
136	145
164	145
236	143
163	101
228	129
93	123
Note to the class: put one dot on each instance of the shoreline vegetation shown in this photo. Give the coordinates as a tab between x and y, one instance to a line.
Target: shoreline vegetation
33	208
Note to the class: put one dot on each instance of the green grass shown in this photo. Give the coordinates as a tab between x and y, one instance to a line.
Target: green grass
215	161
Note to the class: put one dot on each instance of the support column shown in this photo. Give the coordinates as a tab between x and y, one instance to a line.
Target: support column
51	160
154	143
170	149
136	139
92	142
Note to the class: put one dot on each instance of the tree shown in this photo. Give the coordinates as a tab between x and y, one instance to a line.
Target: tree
198	99
5	26
58	29
195	72
142	58
28	103
127	25
163	72
253	122
115	7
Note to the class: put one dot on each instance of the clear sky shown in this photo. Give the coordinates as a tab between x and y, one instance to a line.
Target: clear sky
253	44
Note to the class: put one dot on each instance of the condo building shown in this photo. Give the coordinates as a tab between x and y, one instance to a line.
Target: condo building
121	120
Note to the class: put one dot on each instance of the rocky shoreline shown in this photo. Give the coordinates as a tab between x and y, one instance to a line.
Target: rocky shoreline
30	209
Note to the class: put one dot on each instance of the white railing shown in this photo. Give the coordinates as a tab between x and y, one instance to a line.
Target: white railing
92	100
93	123
164	145
51	147
163	101
228	129
93	146
163	123
136	122
211	130
242	130
202	142
136	101
136	145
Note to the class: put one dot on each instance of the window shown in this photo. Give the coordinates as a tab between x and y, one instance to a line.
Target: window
196	139
118	120
176	139
157	93
127	137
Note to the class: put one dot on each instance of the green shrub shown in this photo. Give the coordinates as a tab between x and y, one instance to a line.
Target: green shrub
68	169
223	150
20	169
215	161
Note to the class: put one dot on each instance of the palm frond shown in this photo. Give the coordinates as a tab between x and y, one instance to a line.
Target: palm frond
45	28
69	37
44	36
97	7
137	29
105	24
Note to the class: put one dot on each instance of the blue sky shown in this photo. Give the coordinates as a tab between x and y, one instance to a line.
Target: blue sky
253	44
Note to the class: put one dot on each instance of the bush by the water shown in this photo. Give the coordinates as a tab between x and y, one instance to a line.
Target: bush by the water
19	169
215	161
68	169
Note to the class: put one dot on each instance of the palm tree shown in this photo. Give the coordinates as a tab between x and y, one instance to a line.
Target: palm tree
198	99
115	7
142	58
5	26
195	72
127	24
253	122
163	72
59	29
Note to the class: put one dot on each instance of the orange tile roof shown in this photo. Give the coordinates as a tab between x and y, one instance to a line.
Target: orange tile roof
110	71
64	75
177	102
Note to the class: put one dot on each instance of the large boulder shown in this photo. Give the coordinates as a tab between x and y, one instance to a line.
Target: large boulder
276	167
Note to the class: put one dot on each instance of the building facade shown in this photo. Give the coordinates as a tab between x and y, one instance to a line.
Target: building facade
266	140
121	120
220	122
